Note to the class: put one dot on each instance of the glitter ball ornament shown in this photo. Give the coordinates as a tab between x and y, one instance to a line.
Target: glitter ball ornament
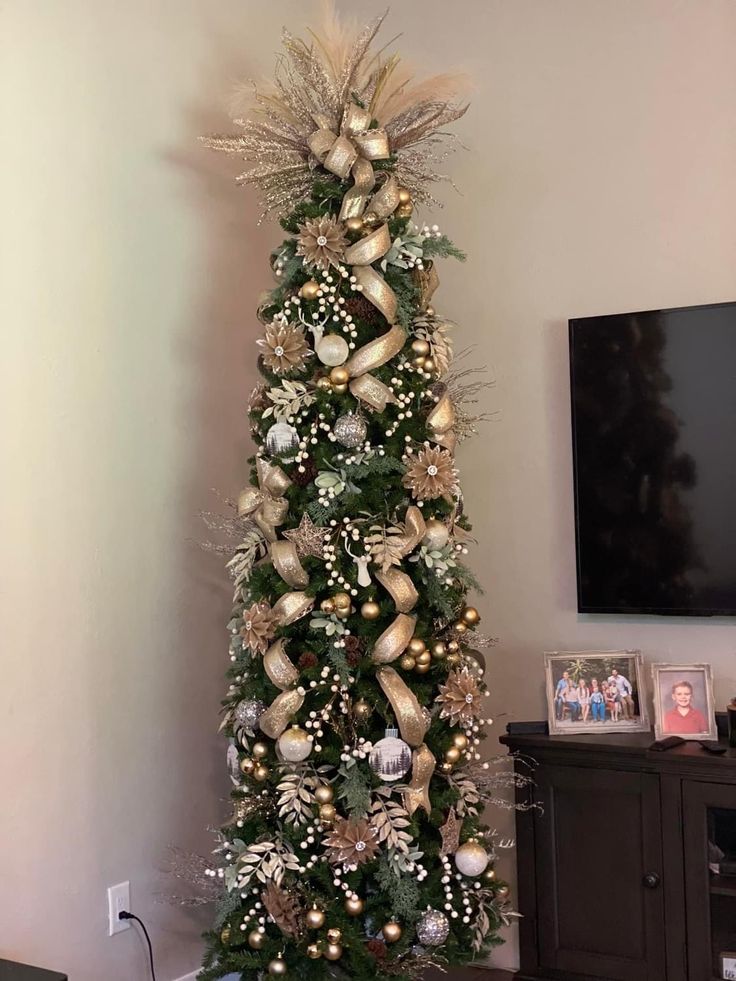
471	859
390	758
433	928
333	350
295	745
282	440
248	712
436	535
350	430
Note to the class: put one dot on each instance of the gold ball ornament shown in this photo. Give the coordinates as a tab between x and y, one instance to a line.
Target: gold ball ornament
460	740
371	220
404	210
429	364
446	767
407	662
334	935
324	794
460	627
420	347
259	750
370	610
503	892
489	875
261	773
452	755
423	668
315	918
294	744
471	616
424	658
225	934
438	650
416	646
324	383
256	939
341	601
277	967
354	906
429	311
436	534
327	606
333	952
247	765
404	195
362	710
339	389
314	951
452	660
391	932
339	375
453	646
471	859
354	224
419	361
309	290
327	813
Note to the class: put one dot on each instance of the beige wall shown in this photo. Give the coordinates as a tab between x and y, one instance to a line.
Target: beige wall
600	177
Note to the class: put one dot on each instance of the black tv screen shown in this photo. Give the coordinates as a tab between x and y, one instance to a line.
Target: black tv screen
654	448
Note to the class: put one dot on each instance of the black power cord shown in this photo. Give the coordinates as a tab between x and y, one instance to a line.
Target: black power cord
125	915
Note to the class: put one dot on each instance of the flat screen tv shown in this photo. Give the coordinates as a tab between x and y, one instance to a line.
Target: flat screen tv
654	449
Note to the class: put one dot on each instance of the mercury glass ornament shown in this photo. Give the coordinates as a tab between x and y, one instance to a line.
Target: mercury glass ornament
471	858
333	350
350	430
433	928
390	758
295	745
282	440
248	712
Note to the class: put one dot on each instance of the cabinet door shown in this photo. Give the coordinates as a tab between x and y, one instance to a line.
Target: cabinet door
599	868
710	876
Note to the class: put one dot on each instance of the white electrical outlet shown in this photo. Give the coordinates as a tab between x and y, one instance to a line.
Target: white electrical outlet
118	899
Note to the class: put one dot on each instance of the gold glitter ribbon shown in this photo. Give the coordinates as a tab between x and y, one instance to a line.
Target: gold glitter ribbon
278	667
292	607
374	287
394	640
415	528
351	153
266	504
400	587
286	563
373	392
440	422
412	724
279	713
376	352
416	794
427	280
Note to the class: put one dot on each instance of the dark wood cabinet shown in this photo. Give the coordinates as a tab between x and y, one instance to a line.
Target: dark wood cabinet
620	862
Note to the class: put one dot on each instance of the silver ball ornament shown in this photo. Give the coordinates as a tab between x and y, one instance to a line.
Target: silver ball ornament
433	928
350	430
248	712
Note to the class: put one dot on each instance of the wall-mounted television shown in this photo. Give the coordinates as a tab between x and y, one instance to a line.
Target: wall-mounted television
654	449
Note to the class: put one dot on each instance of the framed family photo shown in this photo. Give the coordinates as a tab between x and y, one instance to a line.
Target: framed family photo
683	701
596	691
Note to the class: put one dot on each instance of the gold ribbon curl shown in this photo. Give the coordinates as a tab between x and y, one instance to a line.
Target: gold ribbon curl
377	352
266	504
416	794
372	391
394	640
286	563
400	587
427	280
278	667
292	607
374	287
415	528
440	422
412	724
277	716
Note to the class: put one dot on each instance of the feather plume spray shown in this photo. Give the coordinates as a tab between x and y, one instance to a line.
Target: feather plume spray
322	77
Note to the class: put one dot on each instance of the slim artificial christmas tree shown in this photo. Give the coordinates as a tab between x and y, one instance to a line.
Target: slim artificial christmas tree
356	704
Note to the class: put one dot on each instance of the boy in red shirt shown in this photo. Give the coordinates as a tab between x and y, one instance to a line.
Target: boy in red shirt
683	719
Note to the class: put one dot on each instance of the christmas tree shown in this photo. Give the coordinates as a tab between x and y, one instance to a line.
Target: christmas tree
356	702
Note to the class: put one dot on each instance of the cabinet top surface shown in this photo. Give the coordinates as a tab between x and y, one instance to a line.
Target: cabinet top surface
633	746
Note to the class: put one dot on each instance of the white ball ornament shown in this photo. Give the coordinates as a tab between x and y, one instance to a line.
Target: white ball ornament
471	859
437	534
333	350
294	745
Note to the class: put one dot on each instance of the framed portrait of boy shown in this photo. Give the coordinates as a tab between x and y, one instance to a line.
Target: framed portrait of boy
595	691
683	701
